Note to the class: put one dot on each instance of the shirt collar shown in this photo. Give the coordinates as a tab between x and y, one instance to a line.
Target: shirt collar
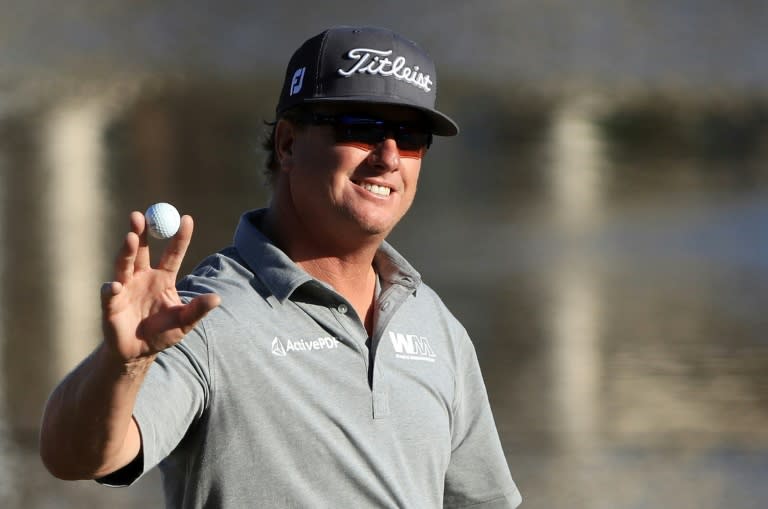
282	276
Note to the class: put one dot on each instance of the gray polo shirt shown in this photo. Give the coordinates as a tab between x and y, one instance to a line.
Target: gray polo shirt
271	400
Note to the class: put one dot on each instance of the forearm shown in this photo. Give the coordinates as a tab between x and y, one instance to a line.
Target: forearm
87	429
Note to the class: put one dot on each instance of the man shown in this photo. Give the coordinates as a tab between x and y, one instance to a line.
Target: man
306	365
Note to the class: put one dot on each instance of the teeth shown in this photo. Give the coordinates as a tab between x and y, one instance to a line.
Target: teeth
378	190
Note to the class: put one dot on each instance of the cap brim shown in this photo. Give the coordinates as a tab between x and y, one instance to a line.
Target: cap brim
441	124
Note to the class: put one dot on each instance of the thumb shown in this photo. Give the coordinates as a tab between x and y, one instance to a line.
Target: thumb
196	309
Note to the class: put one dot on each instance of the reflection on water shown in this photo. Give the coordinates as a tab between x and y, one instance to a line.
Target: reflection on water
609	258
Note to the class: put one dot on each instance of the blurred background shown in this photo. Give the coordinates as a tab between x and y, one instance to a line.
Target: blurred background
600	225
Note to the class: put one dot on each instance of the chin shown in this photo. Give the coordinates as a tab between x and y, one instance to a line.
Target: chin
375	226
373	230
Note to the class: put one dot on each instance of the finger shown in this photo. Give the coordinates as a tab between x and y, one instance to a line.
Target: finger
109	290
196	309
126	257
139	227
174	252
173	323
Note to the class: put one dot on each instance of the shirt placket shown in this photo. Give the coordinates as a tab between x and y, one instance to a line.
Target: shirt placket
347	326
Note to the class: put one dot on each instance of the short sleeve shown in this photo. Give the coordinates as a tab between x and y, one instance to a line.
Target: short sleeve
173	396
477	475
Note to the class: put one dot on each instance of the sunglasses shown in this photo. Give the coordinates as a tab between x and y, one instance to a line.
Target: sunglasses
365	132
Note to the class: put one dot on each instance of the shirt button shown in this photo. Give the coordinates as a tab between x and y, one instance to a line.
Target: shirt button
342	309
385	306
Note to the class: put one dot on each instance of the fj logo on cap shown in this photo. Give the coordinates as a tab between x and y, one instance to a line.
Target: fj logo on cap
297	81
375	62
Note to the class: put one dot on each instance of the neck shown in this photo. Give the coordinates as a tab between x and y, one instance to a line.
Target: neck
354	280
326	255
346	266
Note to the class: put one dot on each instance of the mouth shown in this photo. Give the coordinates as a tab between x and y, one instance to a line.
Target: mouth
378	190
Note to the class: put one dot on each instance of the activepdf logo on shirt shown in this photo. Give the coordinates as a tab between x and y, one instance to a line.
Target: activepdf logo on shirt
281	348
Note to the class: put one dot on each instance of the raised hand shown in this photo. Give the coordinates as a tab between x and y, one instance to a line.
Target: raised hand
142	313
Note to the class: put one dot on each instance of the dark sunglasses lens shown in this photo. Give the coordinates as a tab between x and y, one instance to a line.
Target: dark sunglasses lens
363	133
411	139
368	132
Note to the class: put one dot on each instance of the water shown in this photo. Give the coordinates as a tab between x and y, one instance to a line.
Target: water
608	255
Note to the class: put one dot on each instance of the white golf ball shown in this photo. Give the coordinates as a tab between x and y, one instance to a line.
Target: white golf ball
163	220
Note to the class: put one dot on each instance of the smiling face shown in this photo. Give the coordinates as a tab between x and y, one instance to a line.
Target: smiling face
346	191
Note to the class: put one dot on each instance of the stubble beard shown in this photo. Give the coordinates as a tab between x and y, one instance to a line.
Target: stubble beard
369	226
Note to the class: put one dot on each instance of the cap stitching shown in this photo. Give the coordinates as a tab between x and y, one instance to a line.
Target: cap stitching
318	85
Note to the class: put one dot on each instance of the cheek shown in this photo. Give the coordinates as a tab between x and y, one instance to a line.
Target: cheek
411	170
315	175
310	165
308	156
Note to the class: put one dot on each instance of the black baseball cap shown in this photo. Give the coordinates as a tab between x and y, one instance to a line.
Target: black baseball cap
364	65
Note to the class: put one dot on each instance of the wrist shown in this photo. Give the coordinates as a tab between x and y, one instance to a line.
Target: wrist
131	368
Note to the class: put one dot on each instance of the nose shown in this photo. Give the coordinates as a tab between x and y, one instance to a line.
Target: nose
385	155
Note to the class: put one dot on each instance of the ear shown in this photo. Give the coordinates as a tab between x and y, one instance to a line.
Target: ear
285	135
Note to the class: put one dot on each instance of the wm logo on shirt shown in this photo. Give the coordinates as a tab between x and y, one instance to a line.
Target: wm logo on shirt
412	347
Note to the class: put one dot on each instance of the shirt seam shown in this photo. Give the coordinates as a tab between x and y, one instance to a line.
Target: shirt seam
503	496
458	389
209	272
211	370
